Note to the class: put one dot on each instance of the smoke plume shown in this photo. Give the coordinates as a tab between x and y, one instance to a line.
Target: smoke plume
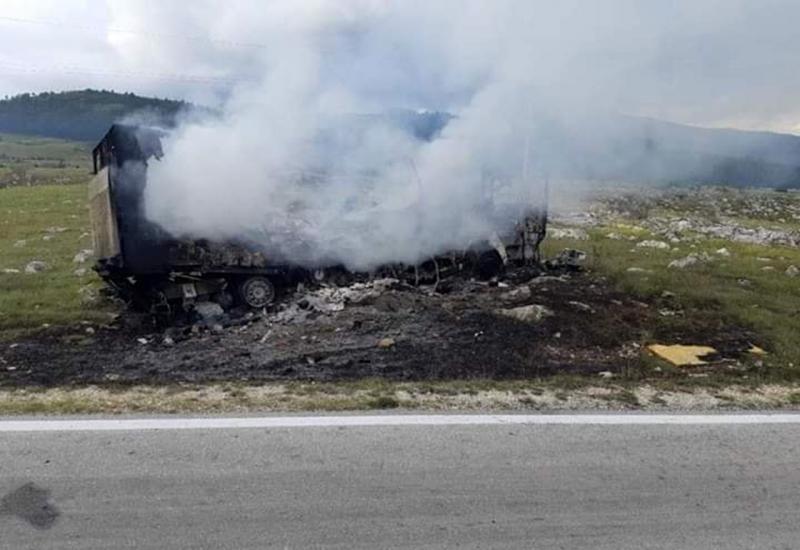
315	157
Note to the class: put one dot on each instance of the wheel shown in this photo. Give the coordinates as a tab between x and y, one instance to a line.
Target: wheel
257	292
489	265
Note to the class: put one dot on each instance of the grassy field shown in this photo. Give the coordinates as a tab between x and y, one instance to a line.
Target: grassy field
769	303
742	283
47	223
39	161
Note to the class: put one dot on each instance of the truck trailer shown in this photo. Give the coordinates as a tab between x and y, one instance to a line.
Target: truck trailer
153	270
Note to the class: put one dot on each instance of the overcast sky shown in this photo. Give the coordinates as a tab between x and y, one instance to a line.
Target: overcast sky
709	62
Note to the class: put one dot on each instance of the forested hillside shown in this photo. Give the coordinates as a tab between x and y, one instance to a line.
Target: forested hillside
83	115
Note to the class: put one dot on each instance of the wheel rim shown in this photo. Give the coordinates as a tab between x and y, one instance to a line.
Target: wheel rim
258	292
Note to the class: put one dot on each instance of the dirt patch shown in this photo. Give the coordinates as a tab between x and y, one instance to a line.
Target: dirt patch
402	333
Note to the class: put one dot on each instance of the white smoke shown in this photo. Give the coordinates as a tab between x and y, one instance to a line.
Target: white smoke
284	168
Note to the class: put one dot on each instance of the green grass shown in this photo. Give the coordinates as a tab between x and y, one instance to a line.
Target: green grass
28	161
54	296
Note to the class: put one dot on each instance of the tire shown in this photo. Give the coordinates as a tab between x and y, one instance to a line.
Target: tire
490	264
256	292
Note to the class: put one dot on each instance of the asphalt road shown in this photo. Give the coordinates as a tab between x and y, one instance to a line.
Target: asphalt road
408	486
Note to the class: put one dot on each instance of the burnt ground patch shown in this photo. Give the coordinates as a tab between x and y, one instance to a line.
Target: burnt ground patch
403	333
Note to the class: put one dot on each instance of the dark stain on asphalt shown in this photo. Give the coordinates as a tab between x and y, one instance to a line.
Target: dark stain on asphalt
30	503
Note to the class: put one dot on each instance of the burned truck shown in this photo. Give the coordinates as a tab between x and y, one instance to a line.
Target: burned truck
153	270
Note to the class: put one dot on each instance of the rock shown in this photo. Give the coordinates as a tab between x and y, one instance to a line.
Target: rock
581	306
533	313
667	294
47	238
768	268
11	271
386	343
606	374
688	261
88	295
637	270
660	245
142	341
744	282
681	225
792	271
168	341
20	244
82	256
683	263
35	266
543	279
217	328
517	294
80	272
567	233
55	229
723	252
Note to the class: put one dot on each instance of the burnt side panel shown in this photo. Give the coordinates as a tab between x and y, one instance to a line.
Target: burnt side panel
124	152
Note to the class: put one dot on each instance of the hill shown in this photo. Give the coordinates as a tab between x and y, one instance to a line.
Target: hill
616	148
643	150
83	115
664	151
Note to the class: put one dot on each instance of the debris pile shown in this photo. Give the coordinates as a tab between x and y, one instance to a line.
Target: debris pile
524	321
330	299
569	259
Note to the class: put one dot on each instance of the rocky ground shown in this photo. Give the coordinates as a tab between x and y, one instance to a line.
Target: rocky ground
760	217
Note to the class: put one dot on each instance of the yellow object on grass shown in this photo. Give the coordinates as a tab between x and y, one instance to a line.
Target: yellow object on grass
682	355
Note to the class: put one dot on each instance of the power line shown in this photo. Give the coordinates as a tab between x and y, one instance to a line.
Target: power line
72	70
72	26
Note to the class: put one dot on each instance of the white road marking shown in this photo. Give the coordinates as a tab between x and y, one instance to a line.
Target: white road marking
203	423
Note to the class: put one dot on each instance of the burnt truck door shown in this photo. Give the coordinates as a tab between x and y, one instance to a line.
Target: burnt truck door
125	239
